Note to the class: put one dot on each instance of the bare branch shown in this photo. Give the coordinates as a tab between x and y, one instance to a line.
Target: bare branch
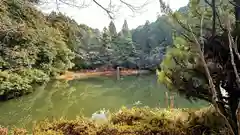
164	7
232	59
57	4
187	37
110	9
105	9
214	17
201	33
236	48
219	20
212	86
134	8
213	6
206	1
234	4
69	3
231	41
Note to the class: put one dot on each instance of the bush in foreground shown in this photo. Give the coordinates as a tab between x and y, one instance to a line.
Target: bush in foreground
140	121
135	121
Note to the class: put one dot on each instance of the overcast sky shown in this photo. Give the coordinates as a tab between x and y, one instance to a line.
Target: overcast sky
95	17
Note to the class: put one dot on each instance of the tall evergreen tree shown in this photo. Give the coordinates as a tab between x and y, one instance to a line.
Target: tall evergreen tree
106	48
112	29
125	30
106	38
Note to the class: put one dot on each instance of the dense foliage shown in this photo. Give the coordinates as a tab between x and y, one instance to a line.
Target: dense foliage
151	40
180	71
31	50
142	47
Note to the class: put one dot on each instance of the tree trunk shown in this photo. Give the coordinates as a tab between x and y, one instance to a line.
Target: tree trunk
234	101
214	18
237	13
233	104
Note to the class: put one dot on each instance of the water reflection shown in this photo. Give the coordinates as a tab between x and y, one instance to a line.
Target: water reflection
77	97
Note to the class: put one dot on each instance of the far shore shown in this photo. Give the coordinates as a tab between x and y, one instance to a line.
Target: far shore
71	75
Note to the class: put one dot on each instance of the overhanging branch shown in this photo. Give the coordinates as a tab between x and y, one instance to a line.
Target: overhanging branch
82	4
105	9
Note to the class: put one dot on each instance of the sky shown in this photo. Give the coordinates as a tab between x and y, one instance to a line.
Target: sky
93	16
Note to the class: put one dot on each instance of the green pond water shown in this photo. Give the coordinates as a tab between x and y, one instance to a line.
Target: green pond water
84	97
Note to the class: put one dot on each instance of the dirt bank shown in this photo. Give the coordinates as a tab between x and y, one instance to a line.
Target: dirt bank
69	75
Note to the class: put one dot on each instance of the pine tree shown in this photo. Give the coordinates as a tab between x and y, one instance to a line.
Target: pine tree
125	30
112	29
106	48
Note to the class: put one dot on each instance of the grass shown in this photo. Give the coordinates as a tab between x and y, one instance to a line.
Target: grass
139	121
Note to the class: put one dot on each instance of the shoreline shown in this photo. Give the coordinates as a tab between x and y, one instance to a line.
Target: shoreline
72	75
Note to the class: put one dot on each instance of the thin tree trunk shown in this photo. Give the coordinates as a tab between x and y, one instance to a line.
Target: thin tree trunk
237	13
237	23
233	108
214	18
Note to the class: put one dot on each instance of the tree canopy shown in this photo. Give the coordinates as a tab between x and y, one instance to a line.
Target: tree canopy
204	62
31	50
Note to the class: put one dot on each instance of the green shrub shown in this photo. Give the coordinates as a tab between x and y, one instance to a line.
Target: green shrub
141	121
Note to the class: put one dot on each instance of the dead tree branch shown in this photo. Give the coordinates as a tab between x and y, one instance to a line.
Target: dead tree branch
109	10
72	4
214	18
105	9
219	21
236	48
206	1
134	8
231	43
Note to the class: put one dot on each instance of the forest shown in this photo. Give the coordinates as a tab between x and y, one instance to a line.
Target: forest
194	52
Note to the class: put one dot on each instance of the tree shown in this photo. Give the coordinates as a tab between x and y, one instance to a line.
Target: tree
151	41
125	30
112	29
125	52
124	49
105	52
32	51
204	60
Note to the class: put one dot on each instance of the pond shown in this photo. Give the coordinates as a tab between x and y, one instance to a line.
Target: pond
84	97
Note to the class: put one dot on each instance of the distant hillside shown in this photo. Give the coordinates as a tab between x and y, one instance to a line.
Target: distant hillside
153	38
